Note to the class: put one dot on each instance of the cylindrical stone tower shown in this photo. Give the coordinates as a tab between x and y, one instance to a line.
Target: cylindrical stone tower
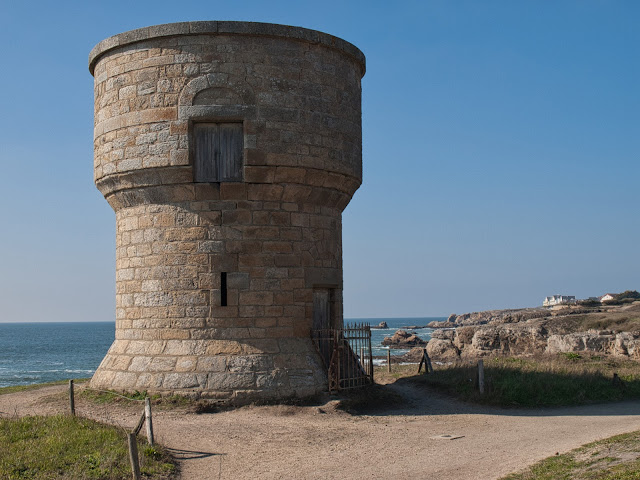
228	151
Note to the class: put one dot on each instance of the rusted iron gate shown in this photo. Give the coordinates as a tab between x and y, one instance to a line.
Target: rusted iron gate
347	356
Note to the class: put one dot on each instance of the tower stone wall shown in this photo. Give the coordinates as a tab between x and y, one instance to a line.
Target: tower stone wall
216	281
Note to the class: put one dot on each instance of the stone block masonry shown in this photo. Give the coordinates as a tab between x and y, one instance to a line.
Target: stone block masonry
217	283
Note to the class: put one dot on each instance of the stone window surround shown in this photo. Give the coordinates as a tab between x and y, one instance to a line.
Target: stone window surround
245	113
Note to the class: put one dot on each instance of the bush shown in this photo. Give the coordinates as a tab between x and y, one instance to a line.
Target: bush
589	303
628	295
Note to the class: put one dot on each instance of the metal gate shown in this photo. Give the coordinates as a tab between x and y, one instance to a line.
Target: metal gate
346	354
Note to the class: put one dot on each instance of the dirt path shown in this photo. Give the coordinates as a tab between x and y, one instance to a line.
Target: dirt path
320	442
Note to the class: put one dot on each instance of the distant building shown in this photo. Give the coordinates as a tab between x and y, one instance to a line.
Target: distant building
607	297
558	300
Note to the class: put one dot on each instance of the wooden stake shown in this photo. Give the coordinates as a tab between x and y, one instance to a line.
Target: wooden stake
427	362
389	360
481	376
133	456
136	430
149	423
72	403
428	366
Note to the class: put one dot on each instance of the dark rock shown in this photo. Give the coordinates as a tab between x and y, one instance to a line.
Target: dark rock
402	339
380	325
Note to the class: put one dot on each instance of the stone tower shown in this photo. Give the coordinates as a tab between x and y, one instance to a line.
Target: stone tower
228	151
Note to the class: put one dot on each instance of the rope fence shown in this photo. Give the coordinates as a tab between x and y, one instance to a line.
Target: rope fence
146	419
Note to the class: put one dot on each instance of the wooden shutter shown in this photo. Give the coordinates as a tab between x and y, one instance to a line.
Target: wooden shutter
218	152
231	143
205	136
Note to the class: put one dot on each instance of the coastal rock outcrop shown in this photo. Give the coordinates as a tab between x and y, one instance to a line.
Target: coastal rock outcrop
487	340
469	342
403	339
627	344
438	324
582	342
412	356
533	331
382	324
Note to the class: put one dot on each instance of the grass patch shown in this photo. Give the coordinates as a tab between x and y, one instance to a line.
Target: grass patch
103	397
66	447
23	388
540	382
615	458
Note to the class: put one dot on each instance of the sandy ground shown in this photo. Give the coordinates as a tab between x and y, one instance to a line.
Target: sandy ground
320	442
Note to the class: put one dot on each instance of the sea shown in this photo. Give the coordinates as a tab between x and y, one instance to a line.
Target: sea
45	352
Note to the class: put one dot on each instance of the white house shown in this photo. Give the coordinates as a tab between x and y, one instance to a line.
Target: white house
558	300
607	297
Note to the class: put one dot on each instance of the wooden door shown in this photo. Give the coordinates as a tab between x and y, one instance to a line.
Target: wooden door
321	309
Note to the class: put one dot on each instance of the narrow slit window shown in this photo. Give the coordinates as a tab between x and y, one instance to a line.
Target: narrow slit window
218	150
223	289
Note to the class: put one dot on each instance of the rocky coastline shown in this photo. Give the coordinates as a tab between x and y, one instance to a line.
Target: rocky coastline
608	330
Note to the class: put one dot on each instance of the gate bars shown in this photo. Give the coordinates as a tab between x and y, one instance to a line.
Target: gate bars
346	354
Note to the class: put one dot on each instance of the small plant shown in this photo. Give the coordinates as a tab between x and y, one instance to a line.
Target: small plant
572	356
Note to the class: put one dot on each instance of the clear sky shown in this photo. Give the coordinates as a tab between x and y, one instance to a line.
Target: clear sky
501	148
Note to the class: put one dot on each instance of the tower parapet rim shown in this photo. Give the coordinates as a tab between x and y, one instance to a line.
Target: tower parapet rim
225	28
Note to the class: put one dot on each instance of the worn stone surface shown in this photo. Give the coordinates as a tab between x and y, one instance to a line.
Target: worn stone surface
276	234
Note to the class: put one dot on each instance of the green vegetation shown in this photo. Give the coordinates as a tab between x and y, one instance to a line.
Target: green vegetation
65	447
22	388
108	397
627	296
566	379
615	458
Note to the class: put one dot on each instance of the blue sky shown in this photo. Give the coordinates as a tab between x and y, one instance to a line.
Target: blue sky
501	148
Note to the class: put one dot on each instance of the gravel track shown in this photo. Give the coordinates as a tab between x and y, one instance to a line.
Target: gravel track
322	442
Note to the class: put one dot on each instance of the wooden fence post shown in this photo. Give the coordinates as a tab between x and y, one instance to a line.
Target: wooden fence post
72	403
427	362
481	376
389	360
149	423
133	455
429	367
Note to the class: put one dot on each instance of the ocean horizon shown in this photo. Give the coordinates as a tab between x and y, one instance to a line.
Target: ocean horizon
40	352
